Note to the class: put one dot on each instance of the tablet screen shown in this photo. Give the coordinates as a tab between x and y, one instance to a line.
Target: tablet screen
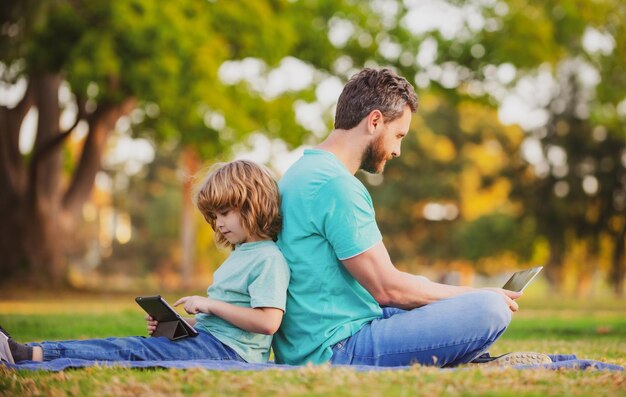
519	280
158	308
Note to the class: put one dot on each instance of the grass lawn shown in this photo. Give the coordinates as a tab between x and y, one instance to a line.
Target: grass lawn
591	329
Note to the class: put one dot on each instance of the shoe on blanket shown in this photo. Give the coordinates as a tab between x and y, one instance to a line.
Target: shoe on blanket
5	350
12	351
513	359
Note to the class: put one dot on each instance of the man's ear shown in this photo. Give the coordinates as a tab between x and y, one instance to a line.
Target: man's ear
374	121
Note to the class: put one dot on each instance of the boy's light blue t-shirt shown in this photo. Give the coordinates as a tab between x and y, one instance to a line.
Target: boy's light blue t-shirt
254	275
328	216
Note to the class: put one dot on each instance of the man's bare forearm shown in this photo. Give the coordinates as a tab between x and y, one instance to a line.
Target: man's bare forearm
409	291
390	287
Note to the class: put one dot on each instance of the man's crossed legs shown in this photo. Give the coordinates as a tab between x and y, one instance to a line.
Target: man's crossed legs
445	333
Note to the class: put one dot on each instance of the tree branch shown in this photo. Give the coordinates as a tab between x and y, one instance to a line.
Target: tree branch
11	162
59	138
26	103
101	122
41	152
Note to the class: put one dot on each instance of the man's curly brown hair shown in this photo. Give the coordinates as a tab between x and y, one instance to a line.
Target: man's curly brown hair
371	89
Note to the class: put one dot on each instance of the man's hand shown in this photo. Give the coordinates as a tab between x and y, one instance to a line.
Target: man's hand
195	304
509	297
151	324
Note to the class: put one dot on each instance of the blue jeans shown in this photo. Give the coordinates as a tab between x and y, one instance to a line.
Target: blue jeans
139	348
446	333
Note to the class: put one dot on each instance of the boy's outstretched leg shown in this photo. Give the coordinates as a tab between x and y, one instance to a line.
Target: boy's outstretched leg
132	348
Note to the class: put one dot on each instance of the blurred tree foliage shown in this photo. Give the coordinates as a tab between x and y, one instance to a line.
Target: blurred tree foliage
155	63
579	193
445	198
563	181
466	189
154	200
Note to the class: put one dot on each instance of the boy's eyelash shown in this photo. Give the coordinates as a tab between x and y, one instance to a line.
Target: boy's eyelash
213	215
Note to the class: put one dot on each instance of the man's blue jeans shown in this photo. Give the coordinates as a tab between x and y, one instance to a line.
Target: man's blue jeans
139	348
445	333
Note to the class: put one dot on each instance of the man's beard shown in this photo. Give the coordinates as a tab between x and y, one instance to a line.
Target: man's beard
374	157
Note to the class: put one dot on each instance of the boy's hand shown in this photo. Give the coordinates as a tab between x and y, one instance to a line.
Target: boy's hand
195	304
151	324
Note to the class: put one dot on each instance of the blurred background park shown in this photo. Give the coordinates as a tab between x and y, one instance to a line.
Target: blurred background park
111	109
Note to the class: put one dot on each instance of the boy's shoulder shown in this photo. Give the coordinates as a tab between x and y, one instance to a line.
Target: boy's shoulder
269	259
268	249
257	258
273	253
271	248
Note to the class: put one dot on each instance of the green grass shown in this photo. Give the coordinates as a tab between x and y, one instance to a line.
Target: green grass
591	329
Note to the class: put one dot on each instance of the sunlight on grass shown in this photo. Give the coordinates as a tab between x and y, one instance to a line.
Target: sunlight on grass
78	304
315	381
591	330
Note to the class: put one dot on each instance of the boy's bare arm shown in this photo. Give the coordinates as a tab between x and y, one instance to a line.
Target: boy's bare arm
260	320
374	270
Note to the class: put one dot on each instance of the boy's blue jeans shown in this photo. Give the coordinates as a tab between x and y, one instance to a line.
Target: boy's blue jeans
139	348
445	333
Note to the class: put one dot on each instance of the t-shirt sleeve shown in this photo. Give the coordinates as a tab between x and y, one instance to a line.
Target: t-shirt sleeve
349	221
268	288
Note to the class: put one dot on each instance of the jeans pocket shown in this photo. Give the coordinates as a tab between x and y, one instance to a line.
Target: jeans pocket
339	346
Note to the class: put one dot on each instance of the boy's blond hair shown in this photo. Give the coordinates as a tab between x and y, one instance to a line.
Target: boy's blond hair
246	187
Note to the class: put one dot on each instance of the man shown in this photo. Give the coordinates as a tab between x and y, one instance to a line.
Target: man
346	302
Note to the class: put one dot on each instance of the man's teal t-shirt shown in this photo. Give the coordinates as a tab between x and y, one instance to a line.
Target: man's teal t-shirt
254	275
328	216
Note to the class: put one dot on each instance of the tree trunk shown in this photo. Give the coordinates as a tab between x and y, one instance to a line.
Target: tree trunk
190	164
12	187
44	242
36	213
554	267
13	263
618	265
44	238
584	281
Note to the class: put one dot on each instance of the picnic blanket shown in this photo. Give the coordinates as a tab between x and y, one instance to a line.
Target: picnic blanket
560	361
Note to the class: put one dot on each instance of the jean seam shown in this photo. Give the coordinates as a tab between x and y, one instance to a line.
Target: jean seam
421	350
51	354
130	354
56	349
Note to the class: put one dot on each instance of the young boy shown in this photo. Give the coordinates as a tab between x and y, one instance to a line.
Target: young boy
245	303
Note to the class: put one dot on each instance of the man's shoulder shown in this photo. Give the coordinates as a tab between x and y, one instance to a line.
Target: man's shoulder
314	163
319	177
